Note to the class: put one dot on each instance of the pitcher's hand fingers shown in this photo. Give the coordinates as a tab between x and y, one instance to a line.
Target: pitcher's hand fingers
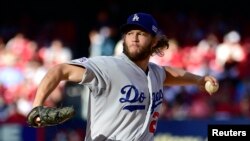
38	121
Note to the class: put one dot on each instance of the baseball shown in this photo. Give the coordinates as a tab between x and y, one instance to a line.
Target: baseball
211	88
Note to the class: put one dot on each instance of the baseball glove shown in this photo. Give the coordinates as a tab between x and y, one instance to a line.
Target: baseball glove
49	116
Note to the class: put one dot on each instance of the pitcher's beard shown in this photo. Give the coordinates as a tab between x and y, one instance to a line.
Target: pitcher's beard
137	56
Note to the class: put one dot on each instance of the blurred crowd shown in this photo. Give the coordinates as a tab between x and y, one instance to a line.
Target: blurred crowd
22	66
24	62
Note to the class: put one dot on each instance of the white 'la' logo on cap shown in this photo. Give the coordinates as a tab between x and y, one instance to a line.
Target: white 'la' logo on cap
154	28
135	18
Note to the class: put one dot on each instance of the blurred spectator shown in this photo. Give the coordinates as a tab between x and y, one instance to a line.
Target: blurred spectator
101	36
101	42
230	52
96	40
206	47
55	53
22	48
10	77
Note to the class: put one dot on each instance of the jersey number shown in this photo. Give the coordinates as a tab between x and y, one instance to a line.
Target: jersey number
152	126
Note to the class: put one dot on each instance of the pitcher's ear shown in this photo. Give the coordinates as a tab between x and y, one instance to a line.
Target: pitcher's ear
155	41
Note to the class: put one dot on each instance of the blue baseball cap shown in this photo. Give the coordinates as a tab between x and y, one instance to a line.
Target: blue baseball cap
141	20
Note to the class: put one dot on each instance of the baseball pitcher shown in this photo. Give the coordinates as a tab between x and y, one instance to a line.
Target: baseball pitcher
126	91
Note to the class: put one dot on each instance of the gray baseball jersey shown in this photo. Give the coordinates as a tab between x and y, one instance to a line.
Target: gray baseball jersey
124	101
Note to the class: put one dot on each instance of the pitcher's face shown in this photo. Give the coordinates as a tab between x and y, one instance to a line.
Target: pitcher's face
137	45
